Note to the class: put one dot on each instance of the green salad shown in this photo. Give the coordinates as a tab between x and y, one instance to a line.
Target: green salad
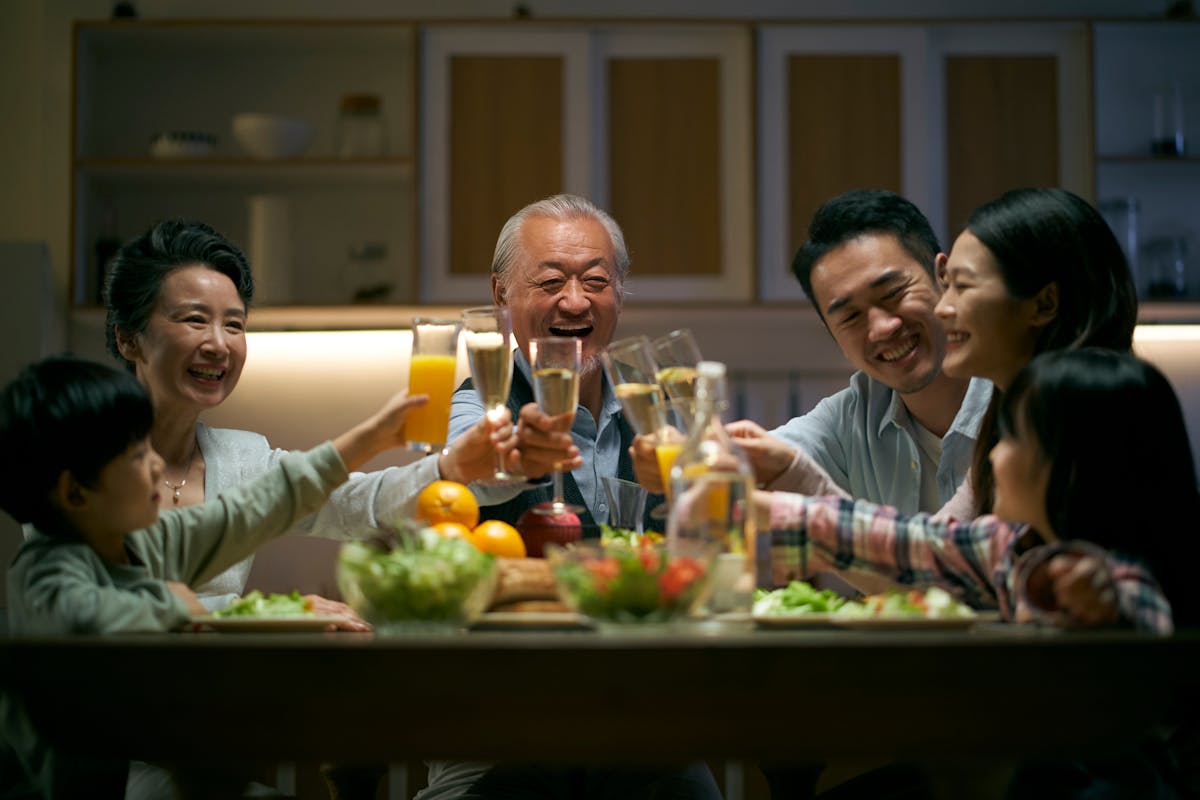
257	604
798	597
611	535
423	577
629	582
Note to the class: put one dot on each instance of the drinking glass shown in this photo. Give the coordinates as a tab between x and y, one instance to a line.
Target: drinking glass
677	355
632	370
431	372
668	444
487	331
556	362
626	503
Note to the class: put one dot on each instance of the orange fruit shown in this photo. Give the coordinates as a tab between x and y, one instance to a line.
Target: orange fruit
447	501
452	530
498	538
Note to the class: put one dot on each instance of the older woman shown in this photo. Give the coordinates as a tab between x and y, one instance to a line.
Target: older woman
178	299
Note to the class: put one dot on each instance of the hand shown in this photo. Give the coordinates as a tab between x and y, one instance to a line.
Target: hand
381	431
1083	588
185	593
544	442
769	457
324	607
645	463
470	456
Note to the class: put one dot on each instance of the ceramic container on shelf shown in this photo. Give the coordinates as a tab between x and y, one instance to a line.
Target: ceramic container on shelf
272	135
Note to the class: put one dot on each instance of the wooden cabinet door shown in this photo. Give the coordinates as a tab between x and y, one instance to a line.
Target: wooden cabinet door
840	108
650	122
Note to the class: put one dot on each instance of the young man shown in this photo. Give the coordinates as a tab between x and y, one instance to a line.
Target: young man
902	433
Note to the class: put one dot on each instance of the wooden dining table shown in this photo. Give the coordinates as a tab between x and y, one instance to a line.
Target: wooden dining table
712	690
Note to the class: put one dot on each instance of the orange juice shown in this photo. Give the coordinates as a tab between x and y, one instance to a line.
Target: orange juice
666	454
432	375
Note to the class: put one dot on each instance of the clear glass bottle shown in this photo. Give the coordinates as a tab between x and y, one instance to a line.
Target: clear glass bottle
360	129
712	486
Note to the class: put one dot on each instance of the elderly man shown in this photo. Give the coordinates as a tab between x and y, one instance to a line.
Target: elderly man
560	266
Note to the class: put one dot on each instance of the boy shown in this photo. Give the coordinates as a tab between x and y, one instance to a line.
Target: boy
76	462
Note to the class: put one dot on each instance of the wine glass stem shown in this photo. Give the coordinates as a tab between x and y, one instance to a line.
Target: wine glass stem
558	488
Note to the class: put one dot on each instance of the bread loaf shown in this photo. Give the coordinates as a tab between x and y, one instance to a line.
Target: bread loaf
520	580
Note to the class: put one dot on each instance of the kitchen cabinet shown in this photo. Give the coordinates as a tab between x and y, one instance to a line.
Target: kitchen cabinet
949	115
350	223
652	122
1147	77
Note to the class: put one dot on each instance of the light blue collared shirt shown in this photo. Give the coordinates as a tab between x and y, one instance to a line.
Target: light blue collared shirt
861	436
600	446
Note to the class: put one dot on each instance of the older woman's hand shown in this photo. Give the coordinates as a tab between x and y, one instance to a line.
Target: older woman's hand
348	620
544	442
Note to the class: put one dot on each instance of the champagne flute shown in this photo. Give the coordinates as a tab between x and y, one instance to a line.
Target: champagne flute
677	355
556	363
431	372
487	331
631	369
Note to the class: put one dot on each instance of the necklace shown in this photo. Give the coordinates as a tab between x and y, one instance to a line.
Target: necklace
177	488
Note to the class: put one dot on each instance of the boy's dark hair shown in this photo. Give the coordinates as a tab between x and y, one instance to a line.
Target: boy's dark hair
1122	474
865	212
64	414
136	273
1038	236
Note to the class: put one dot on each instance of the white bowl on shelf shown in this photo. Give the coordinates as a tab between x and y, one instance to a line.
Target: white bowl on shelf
272	135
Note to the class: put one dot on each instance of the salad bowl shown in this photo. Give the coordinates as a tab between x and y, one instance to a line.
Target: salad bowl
622	583
420	582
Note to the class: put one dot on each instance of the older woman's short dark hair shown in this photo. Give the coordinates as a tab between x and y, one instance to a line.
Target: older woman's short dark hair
137	272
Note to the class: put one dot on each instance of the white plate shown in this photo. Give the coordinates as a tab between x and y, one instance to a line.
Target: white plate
794	621
316	622
526	620
913	623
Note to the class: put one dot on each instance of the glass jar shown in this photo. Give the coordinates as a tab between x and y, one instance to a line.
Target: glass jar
360	129
712	491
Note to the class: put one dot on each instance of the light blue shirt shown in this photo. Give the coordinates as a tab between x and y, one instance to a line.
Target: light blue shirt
600	446
861	436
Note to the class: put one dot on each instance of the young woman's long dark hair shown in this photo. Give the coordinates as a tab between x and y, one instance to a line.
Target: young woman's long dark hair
1122	474
1040	236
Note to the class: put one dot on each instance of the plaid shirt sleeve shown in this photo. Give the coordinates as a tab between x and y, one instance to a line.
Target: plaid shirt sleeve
1140	600
964	558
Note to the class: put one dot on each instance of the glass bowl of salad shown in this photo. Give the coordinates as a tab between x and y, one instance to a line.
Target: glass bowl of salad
416	582
638	582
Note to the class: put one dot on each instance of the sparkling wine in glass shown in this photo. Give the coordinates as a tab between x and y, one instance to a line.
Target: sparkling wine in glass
556	363
631	370
487	331
677	355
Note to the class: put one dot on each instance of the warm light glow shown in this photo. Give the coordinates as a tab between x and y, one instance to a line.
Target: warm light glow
1166	333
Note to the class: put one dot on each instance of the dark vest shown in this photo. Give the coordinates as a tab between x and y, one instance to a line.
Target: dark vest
522	393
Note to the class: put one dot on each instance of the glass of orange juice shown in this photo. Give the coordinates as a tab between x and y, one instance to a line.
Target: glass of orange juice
431	372
670	439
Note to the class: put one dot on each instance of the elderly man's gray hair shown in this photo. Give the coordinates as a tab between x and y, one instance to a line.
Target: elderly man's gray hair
562	207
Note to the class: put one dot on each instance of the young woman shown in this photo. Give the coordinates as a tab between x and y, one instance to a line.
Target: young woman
1131	491
1035	270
